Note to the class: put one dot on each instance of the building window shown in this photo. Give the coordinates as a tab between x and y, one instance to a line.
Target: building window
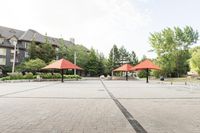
26	54
25	45
2	56
3	51
2	61
12	56
1	40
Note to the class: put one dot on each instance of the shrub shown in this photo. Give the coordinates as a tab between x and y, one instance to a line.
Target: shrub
6	78
72	77
50	75
57	75
15	75
157	74
46	76
28	76
142	74
5	70
32	65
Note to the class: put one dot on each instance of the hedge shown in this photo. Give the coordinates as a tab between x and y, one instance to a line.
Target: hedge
18	76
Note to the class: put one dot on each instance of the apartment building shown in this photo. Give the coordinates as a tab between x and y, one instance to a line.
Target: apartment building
10	36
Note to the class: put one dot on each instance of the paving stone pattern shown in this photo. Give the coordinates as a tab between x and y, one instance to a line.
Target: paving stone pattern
86	107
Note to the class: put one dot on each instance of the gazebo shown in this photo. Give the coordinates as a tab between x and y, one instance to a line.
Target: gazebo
62	64
124	68
146	65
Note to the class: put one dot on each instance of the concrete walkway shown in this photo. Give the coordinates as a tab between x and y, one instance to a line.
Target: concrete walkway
94	107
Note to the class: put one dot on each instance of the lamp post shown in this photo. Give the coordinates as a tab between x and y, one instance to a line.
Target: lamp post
13	41
75	62
113	62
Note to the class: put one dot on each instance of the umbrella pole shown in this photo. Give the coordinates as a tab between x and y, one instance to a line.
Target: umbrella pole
147	74
62	71
126	76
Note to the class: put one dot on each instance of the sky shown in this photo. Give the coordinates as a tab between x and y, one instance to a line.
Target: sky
101	23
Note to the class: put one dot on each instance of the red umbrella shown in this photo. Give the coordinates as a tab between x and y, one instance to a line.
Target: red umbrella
146	65
62	64
125	68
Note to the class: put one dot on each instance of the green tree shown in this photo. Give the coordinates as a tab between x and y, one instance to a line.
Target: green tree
142	73
121	56
32	50
47	51
92	64
195	60
101	68
43	51
124	55
34	64
172	48
62	50
113	60
132	58
68	52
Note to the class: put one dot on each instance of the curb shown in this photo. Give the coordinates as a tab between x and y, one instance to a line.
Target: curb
36	80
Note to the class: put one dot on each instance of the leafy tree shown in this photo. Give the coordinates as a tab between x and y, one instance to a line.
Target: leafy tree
62	50
68	52
34	64
172	48
195	60
82	54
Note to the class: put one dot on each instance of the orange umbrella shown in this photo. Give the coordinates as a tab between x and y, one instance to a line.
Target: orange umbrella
125	68
62	64
146	65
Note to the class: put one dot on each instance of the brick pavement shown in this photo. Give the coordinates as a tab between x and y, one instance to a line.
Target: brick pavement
71	107
86	107
160	108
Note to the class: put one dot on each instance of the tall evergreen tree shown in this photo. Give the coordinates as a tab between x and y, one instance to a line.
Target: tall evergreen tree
113	60
92	64
32	50
47	51
124	55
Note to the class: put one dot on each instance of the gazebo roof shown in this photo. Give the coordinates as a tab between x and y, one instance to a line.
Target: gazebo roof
124	68
146	64
62	64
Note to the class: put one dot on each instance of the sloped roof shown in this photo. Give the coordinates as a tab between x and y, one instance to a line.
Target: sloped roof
8	32
29	35
125	68
146	64
62	64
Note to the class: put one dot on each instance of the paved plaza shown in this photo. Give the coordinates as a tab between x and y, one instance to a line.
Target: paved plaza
92	106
